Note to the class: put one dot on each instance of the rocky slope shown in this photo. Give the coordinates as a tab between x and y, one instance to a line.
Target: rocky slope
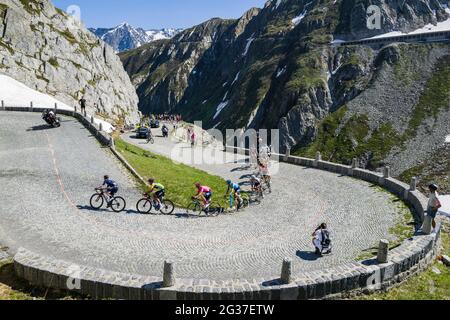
275	68
125	37
51	52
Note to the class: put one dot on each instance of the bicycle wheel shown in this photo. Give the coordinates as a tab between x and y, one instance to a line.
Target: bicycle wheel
97	201
167	207
194	209
214	210
144	206
118	204
245	203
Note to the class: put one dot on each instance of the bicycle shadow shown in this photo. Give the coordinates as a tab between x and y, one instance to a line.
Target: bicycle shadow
189	216
105	210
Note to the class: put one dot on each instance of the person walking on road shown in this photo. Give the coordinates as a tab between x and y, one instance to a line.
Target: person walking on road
82	104
434	204
193	138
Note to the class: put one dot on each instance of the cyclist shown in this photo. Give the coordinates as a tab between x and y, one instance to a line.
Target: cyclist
149	135
204	194
256	185
236	191
111	188
156	191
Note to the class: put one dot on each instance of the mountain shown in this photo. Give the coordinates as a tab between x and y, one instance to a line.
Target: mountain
275	68
125	37
53	53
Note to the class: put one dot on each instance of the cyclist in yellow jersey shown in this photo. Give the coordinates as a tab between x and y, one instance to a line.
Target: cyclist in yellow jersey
156	190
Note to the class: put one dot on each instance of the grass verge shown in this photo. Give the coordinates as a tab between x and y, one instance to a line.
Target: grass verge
179	179
432	284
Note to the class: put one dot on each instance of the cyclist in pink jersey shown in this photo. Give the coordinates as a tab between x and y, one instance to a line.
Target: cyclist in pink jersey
204	194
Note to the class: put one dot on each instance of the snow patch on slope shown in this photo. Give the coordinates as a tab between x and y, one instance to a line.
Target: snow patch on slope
249	43
16	94
219	108
440	26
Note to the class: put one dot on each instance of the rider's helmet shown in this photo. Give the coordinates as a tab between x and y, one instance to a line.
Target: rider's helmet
106	177
151	180
433	187
229	182
253	177
198	184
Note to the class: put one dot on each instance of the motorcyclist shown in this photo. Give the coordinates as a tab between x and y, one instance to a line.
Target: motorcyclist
49	116
165	131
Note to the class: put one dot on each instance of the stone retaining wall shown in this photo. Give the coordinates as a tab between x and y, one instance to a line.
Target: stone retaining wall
351	278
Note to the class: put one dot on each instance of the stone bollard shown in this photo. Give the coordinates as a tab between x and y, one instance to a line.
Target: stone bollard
286	271
383	251
56	107
100	126
387	172
287	154
318	156
92	119
169	275
75	109
111	143
413	186
427	227
31	105
3	105
354	163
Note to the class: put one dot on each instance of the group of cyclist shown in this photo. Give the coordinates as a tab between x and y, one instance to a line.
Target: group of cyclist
204	194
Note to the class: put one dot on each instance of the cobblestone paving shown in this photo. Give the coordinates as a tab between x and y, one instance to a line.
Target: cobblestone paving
48	175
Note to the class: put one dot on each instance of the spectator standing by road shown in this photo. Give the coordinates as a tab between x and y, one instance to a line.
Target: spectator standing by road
82	104
193	137
434	204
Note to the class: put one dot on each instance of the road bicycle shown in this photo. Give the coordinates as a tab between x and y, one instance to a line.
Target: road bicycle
147	204
196	208
234	205
150	139
101	196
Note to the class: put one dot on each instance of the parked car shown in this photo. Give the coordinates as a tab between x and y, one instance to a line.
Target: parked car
142	133
154	124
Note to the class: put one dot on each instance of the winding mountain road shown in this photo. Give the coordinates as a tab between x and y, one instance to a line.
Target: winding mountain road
48	175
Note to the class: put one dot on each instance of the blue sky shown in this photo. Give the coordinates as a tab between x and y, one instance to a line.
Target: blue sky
156	14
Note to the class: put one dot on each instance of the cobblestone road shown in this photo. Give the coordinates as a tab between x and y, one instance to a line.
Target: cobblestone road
48	175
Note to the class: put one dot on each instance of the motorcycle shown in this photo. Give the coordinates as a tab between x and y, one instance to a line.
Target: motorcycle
51	120
165	132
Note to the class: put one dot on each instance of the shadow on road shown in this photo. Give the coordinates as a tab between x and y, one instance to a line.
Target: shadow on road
307	255
188	216
40	128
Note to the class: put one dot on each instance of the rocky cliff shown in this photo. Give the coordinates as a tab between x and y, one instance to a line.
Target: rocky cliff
275	68
53	53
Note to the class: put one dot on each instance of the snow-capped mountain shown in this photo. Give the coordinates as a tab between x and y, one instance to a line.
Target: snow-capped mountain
125	37
167	33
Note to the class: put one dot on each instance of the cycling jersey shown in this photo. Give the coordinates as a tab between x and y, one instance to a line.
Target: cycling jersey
110	183
157	187
235	187
204	189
